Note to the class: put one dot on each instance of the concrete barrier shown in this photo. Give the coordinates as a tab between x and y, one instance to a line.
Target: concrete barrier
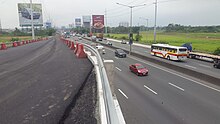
14	44
80	52
75	51
72	47
3	46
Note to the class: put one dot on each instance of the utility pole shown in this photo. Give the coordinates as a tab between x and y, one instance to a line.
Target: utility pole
106	27
147	24
0	26
32	21
155	21
130	35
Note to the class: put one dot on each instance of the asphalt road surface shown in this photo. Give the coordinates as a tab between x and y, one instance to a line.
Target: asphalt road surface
38	81
164	96
193	64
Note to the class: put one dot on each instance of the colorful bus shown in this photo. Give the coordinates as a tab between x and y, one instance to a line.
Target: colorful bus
169	52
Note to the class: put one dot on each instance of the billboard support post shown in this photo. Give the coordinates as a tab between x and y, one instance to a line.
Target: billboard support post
32	21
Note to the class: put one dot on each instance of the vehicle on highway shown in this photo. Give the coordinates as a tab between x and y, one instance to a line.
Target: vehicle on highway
216	63
93	38
169	52
138	69
100	48
80	38
99	36
123	42
109	43
120	53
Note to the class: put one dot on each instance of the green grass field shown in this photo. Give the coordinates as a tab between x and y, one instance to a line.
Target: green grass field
9	38
202	42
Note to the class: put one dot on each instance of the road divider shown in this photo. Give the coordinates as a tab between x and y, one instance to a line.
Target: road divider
77	44
72	46
4	46
80	52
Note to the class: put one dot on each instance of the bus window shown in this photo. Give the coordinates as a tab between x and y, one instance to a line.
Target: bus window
182	50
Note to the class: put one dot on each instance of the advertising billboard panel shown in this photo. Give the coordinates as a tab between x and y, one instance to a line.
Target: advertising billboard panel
98	21
78	22
24	12
86	19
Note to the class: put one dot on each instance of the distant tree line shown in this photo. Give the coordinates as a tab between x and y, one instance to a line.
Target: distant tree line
170	28
190	29
38	32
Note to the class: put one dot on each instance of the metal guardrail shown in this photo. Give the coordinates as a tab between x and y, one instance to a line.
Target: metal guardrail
111	114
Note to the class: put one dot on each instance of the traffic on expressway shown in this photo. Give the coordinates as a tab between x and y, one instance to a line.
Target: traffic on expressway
164	95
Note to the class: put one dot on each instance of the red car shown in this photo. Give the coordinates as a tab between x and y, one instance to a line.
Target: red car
138	69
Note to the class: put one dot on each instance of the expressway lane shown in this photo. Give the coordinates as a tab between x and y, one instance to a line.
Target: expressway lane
197	65
164	100
165	96
38	81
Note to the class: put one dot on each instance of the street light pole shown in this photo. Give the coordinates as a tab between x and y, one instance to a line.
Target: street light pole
131	7
155	21
106	27
130	31
32	23
147	24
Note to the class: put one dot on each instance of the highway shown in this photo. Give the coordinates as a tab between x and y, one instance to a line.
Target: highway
164	96
38	81
196	65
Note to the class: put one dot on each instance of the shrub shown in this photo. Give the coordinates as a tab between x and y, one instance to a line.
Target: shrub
123	38
14	39
217	51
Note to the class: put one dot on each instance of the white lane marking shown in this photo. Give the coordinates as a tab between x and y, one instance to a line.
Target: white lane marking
176	74
190	66
204	66
118	68
150	89
176	86
122	93
116	57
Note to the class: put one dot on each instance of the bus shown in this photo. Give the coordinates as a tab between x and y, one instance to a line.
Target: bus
169	52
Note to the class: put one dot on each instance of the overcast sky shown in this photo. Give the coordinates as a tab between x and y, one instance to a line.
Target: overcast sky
63	12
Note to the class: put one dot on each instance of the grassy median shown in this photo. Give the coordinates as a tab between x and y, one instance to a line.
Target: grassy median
202	42
14	38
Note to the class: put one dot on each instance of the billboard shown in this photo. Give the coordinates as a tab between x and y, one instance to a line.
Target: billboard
24	12
48	25
98	21
86	19
78	22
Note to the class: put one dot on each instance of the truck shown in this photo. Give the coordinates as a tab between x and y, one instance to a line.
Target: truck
202	56
99	36
207	57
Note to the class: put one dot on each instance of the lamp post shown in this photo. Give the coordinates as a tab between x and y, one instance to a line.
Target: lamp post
32	23
155	21
147	24
131	7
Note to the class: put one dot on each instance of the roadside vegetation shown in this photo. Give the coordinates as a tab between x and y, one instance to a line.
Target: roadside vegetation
18	35
204	39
